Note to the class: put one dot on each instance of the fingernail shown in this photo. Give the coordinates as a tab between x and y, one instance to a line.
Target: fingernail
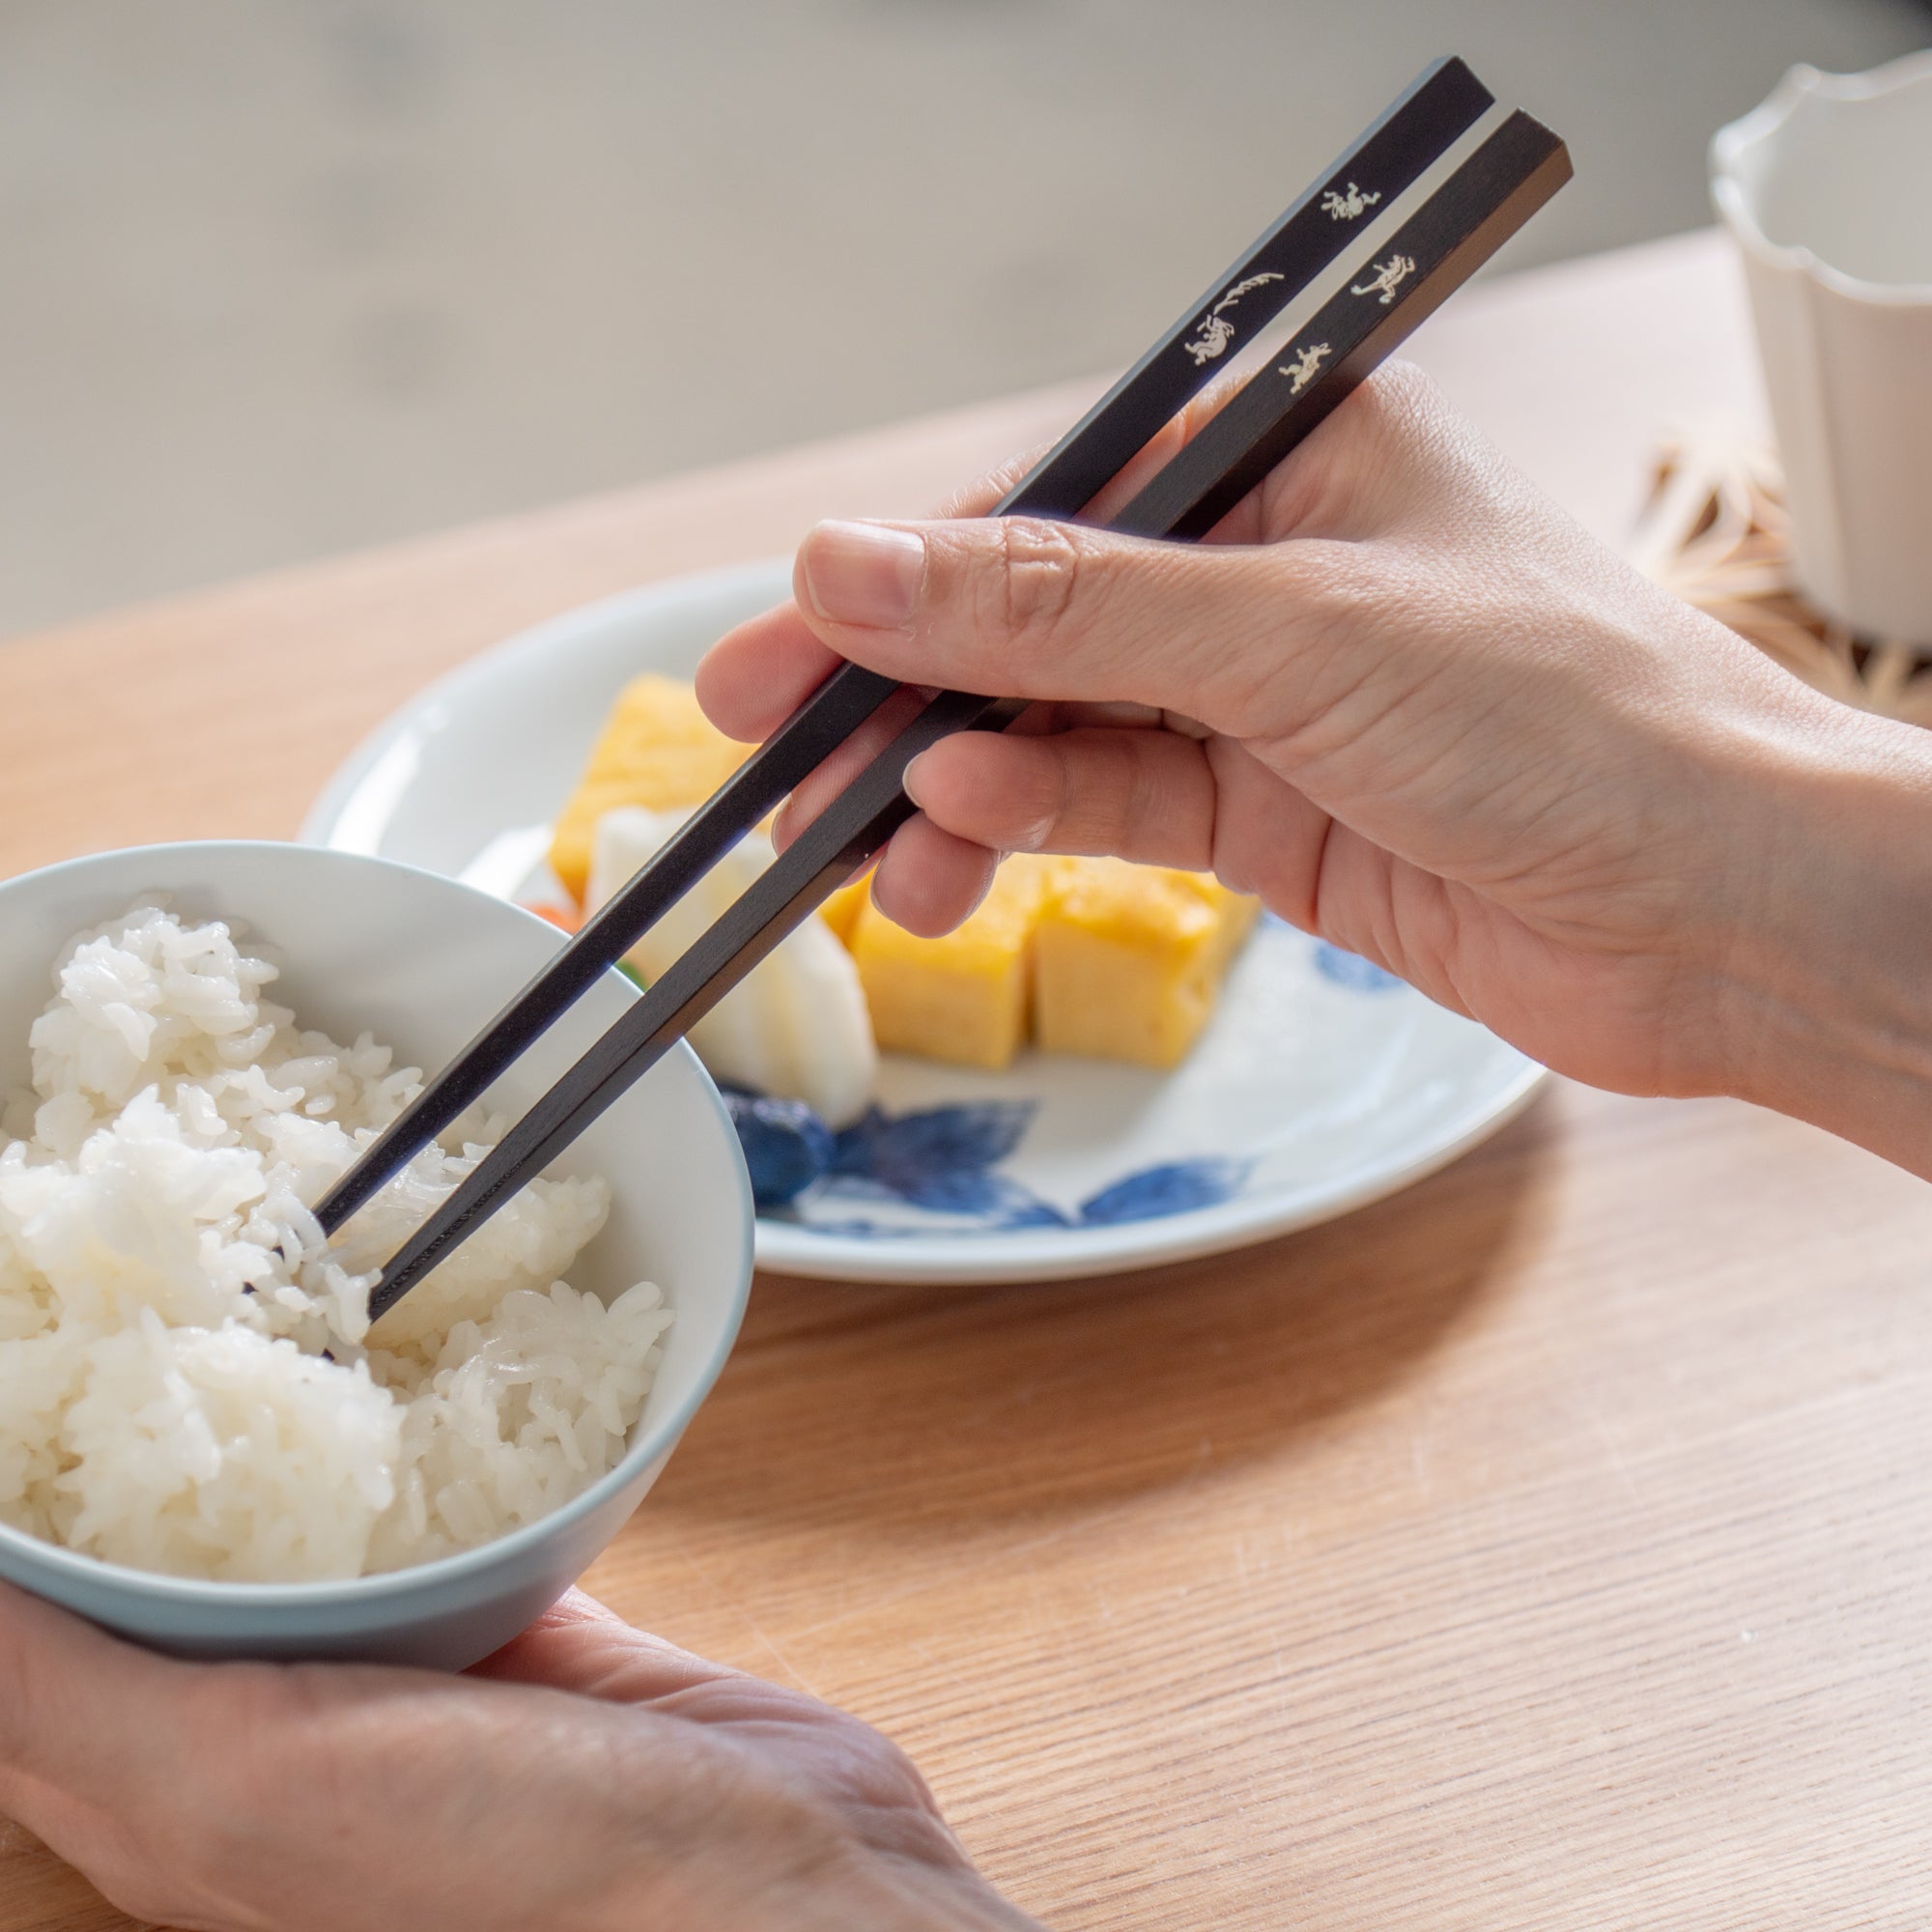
912	780
864	573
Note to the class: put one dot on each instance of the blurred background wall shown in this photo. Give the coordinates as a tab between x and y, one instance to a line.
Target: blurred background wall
276	279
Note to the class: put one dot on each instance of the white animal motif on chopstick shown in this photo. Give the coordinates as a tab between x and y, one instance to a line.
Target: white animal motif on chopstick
1301	371
1214	331
1340	206
1389	277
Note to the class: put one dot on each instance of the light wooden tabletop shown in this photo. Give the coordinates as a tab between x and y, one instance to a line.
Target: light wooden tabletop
1549	1547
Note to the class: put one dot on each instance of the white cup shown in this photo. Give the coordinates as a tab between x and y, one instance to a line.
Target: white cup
1828	189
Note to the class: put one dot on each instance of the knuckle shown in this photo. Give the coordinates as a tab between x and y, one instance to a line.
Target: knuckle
1386	427
1042	569
1035	802
1120	785
1402	403
1413	429
1400	384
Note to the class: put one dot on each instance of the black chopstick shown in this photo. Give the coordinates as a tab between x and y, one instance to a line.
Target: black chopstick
1378	166
1514	171
1388	158
1467	220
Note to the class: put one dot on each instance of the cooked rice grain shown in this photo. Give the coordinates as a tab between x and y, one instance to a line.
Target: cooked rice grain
175	1392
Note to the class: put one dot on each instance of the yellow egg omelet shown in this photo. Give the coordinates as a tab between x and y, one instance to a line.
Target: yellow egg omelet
657	750
966	996
1128	959
1080	955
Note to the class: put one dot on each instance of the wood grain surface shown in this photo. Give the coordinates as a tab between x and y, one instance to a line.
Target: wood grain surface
1549	1547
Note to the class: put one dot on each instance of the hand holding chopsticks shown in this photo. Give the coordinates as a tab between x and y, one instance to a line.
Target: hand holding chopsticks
1437	111
1490	190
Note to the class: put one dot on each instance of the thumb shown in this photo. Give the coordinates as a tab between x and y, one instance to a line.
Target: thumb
580	1646
1019	607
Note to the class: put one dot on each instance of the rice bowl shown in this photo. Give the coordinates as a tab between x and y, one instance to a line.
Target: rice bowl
205	1406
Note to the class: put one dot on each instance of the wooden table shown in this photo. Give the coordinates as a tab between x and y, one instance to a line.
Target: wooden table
1549	1547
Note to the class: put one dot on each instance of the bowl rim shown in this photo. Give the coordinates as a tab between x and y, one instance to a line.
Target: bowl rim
444	1571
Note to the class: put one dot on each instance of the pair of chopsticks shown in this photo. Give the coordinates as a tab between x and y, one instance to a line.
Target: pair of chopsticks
1484	201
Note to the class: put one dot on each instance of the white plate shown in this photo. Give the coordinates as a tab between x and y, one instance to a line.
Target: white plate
1321	1085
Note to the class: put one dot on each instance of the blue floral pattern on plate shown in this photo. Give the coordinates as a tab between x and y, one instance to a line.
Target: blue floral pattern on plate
1174	1187
911	1153
943	1162
940	1159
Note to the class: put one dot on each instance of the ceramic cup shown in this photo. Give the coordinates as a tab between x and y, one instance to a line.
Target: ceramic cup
1828	189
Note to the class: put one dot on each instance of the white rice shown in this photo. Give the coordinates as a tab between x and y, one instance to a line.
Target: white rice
176	1394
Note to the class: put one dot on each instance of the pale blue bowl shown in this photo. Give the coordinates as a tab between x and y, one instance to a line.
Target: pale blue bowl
421	963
